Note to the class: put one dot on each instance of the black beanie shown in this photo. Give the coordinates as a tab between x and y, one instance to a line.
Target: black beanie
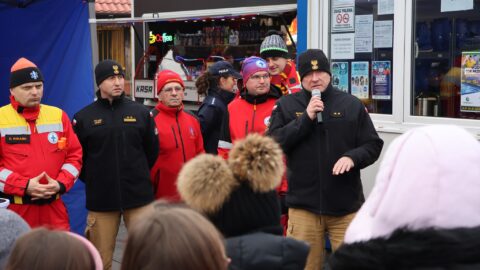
107	68
240	196
312	60
24	71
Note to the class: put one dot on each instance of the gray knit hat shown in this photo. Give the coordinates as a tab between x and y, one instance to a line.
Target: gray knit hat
273	46
12	226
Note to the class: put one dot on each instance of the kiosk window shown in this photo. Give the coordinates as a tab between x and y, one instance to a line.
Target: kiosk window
446	59
361	51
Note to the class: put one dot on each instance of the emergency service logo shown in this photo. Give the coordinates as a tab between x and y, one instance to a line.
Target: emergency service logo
261	64
34	75
52	137
266	121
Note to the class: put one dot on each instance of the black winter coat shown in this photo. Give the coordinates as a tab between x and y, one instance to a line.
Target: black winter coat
119	148
264	251
211	114
430	249
312	150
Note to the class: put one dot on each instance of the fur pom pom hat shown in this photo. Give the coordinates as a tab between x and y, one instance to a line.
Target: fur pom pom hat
239	195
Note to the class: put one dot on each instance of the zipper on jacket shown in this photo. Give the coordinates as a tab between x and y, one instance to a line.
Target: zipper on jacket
246	128
175	137
181	138
117	163
253	117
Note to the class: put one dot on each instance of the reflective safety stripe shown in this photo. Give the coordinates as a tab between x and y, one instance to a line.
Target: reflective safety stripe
3	178
22	130
4	174
71	169
224	145
50	128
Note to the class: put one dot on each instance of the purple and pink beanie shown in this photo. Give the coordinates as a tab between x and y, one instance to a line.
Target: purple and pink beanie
251	65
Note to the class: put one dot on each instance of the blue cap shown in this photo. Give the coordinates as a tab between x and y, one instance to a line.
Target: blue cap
223	68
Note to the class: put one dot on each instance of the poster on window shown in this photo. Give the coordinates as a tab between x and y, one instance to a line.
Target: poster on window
343	19
470	82
340	75
359	80
381	80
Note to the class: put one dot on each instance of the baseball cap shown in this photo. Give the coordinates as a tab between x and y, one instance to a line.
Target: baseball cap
223	68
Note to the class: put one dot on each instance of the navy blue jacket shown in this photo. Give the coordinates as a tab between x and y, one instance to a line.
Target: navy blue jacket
210	114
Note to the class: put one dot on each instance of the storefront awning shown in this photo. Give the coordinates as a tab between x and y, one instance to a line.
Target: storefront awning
201	14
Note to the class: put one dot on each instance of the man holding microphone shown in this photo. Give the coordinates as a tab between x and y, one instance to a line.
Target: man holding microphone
328	137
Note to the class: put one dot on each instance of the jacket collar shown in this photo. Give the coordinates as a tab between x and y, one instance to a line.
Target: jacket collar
225	96
274	92
168	110
325	94
106	102
30	114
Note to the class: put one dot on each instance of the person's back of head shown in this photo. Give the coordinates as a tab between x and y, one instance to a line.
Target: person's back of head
12	226
423	212
42	249
174	237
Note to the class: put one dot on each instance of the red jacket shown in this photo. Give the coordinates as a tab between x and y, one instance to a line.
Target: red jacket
31	143
180	140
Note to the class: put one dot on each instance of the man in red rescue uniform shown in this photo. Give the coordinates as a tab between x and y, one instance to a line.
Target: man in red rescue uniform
40	155
178	132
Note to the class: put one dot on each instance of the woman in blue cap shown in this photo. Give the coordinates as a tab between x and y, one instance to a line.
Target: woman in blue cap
218	84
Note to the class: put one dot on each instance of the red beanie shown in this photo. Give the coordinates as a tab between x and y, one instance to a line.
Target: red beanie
167	76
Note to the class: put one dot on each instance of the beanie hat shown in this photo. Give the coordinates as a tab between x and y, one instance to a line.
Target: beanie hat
167	76
252	65
239	195
312	60
107	68
273	46
24	71
12	226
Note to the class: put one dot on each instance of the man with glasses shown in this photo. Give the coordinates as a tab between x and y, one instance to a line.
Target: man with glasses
327	137
251	112
179	134
120	146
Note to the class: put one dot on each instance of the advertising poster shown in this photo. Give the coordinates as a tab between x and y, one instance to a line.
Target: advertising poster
340	75
470	82
381	80
359	79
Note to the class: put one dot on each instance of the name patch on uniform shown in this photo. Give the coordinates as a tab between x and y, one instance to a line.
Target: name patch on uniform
17	139
336	114
98	122
129	119
299	114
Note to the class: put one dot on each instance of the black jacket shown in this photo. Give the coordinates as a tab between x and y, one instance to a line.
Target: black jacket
210	114
264	251
312	150
429	249
119	148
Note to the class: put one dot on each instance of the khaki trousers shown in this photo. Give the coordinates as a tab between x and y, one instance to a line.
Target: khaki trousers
102	229
311	228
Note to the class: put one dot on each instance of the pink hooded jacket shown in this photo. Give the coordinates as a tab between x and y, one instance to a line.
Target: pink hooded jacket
429	178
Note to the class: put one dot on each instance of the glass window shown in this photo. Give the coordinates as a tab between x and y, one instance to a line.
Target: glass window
361	51
446	59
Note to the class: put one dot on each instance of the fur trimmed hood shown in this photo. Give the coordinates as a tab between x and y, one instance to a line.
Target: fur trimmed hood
237	195
405	249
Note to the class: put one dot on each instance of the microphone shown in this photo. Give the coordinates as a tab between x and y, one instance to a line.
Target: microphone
318	93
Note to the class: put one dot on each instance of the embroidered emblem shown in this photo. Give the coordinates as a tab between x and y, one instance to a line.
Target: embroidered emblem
299	114
314	64
97	122
260	64
115	69
266	121
129	119
336	114
52	137
34	75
